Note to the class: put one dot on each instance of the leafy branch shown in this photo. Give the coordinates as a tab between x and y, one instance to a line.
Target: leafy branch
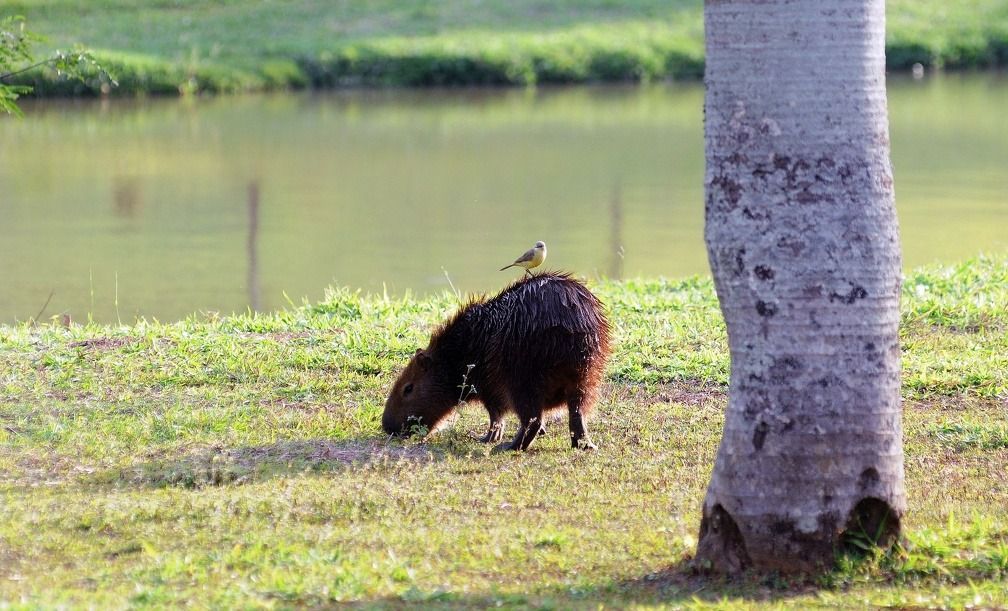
15	48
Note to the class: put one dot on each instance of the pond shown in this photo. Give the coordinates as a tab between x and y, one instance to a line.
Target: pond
159	208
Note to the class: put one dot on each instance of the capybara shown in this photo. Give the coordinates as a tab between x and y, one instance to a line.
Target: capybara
541	343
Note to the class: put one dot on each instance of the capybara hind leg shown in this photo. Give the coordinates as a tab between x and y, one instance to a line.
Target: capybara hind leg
527	432
578	432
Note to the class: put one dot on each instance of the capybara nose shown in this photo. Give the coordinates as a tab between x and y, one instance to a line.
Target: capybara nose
390	425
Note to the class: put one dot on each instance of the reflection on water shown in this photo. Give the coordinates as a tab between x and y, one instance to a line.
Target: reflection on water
616	232
252	247
126	196
166	207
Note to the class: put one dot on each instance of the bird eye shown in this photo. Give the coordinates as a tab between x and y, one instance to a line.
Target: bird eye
407	389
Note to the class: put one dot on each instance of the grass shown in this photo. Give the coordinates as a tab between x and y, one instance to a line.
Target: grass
238	461
188	46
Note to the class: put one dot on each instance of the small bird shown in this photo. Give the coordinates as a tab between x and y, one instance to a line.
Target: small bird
533	257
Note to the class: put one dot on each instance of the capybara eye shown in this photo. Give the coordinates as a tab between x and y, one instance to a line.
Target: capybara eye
407	389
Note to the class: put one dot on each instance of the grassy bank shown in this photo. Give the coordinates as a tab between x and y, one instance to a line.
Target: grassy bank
189	46
239	462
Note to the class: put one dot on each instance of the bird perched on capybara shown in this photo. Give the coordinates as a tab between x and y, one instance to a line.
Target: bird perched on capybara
540	343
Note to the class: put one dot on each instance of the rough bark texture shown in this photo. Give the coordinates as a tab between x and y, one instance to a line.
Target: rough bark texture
803	244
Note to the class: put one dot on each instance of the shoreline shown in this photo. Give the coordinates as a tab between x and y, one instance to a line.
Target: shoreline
629	55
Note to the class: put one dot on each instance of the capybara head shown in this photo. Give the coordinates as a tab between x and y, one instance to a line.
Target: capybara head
417	399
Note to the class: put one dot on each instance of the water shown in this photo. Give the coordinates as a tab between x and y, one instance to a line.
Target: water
162	208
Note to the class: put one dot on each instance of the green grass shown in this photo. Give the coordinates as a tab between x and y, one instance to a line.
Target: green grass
223	45
238	461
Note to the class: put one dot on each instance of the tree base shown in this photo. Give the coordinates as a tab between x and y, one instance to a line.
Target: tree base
720	547
774	542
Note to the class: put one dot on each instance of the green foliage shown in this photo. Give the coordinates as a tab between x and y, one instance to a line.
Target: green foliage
15	45
15	49
627	52
946	35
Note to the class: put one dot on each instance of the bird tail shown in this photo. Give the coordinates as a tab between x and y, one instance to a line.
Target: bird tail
507	266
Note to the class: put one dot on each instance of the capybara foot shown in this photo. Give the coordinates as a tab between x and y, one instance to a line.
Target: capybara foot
507	446
493	434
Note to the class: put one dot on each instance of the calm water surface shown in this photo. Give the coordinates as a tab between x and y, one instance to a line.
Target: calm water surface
165	207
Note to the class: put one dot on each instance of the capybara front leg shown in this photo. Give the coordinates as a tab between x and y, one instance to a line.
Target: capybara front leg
495	433
496	411
578	432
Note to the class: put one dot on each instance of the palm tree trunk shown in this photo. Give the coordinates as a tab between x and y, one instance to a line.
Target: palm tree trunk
803	244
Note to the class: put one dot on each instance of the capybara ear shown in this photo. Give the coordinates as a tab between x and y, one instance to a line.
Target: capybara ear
423	358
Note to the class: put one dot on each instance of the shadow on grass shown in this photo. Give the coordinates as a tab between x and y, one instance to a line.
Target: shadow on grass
219	466
674	585
210	466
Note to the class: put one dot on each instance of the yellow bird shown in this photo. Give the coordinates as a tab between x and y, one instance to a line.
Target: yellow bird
533	257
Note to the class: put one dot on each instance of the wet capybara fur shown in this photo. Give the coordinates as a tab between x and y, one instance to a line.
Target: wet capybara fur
539	344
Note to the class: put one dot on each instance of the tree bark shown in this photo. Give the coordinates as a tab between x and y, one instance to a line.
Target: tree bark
803	244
